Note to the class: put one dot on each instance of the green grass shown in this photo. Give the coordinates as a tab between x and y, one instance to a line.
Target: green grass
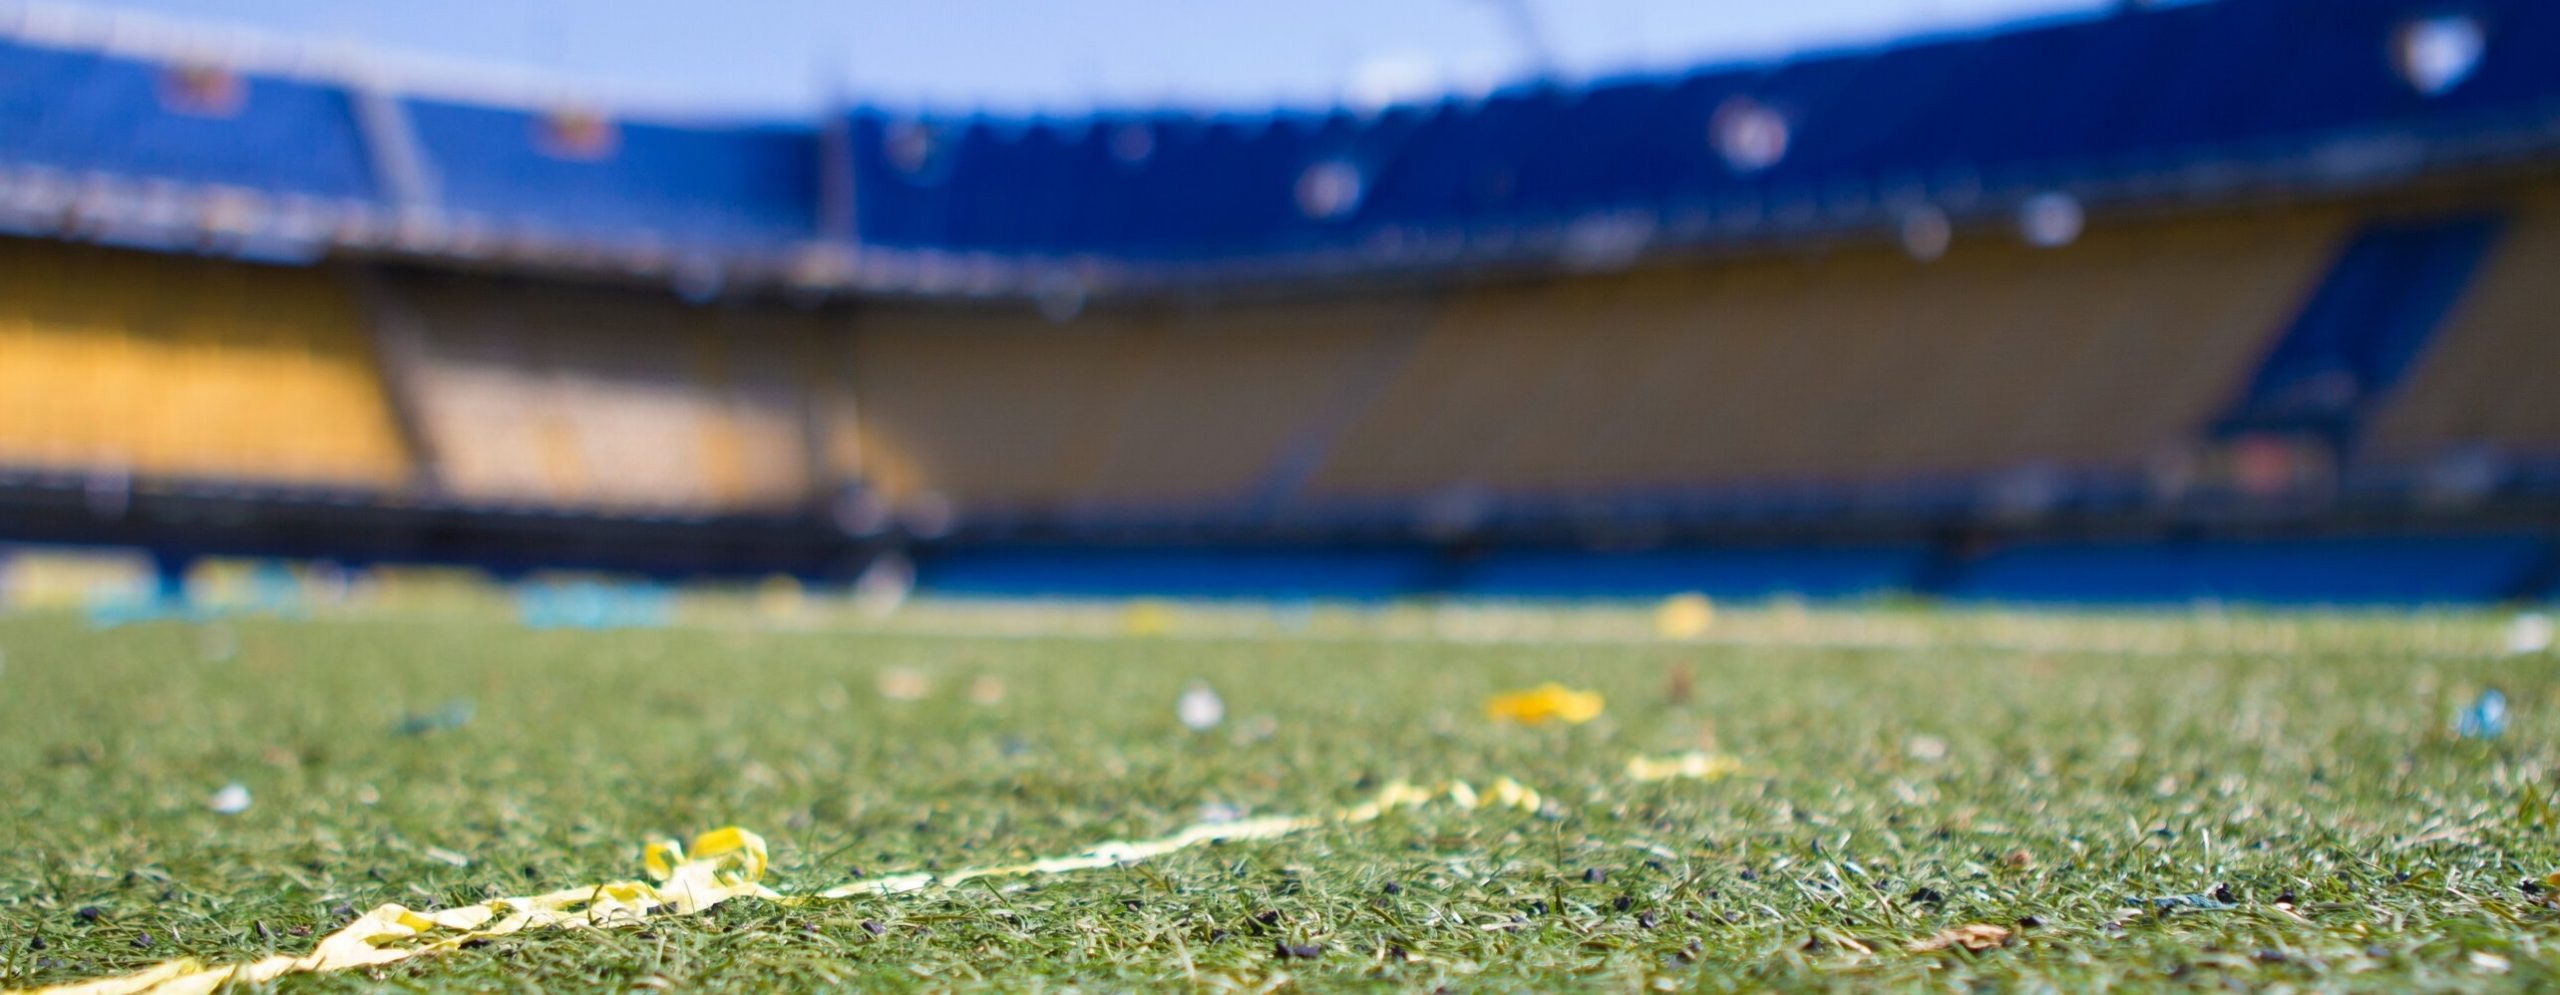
2322	773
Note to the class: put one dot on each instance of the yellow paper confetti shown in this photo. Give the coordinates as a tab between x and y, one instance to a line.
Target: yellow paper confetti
1684	616
725	864
717	866
1695	765
1549	702
1147	617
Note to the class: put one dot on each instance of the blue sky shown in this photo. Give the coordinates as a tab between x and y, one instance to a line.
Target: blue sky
784	55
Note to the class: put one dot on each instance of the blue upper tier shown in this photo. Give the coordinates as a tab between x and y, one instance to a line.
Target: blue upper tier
81	112
2115	97
2139	99
692	186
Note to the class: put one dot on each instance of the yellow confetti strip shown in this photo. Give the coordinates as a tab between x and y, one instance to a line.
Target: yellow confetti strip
1549	702
721	865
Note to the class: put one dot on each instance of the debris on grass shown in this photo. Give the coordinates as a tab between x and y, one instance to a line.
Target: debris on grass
453	714
1200	709
1684	616
443	856
233	799
1549	702
2217	900
1147	617
716	867
2486	718
1970	937
986	691
1679	685
217	644
1926	749
2292	775
1215	813
902	684
1696	765
1502	793
2531	632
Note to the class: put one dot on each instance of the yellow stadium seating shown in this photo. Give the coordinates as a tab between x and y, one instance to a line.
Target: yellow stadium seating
998	407
591	397
1839	366
2484	380
1859	365
187	368
988	405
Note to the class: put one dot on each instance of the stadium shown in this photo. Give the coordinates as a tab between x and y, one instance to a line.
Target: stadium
2072	437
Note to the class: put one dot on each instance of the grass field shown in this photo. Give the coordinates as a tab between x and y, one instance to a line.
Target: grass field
2053	776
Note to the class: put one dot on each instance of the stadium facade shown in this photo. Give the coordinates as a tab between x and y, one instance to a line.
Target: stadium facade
2236	298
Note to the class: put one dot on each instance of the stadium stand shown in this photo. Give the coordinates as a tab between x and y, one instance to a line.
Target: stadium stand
1750	375
579	175
2371	94
573	396
2309	92
1000	410
2484	383
1848	322
2355	338
988	406
83	113
151	365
